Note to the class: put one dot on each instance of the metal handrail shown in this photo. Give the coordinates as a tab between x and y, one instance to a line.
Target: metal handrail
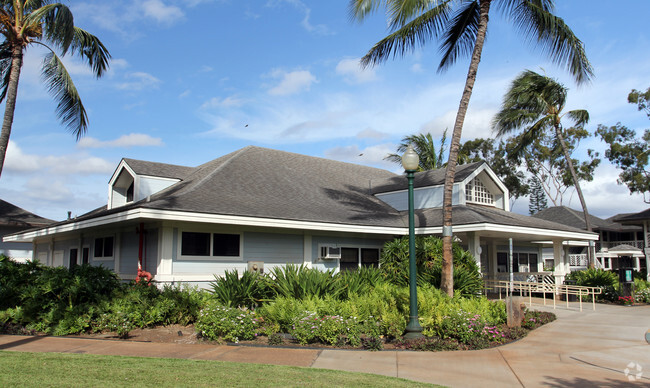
555	289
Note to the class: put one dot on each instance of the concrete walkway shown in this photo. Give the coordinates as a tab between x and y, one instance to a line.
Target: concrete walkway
602	348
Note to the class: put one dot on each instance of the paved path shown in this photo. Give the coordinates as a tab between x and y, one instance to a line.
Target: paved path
581	349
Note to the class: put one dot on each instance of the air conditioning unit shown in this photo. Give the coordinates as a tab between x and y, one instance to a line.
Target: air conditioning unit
330	253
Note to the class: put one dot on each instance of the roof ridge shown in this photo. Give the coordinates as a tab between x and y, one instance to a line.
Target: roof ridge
233	156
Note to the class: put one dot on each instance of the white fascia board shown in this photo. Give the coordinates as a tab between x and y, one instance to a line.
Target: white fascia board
154	214
117	171
508	229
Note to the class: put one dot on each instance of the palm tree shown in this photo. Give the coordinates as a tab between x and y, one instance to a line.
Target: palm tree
535	104
425	147
24	23
462	26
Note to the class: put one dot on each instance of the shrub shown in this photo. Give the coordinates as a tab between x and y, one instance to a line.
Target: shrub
428	251
231	290
231	324
302	282
373	343
275	339
594	277
329	329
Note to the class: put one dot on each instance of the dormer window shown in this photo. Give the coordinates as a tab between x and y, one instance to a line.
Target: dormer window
123	189
478	193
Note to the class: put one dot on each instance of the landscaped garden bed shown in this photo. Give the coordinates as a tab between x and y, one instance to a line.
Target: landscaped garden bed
290	306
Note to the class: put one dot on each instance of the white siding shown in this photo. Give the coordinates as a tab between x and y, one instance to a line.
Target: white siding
423	198
151	185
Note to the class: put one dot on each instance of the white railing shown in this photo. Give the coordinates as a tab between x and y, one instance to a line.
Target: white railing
541	277
611	244
578	260
511	288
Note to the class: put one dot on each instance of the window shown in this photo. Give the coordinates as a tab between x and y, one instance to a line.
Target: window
129	193
203	244
477	192
353	258
225	245
195	244
104	247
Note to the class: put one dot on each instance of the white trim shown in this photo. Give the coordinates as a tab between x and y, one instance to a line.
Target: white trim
172	215
508	229
140	213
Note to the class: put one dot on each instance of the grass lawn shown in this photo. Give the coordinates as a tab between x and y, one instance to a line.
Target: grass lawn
18	369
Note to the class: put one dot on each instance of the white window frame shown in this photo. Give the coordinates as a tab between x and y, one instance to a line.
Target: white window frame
211	232
475	186
93	257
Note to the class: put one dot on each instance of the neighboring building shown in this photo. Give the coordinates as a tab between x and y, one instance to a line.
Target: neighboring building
12	220
261	207
642	220
618	245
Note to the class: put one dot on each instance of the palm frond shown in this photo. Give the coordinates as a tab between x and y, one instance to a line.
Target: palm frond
70	109
460	36
5	69
399	12
534	19
580	117
57	21
92	49
413	34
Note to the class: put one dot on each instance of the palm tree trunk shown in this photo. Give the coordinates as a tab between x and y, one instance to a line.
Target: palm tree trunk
447	275
574	176
10	107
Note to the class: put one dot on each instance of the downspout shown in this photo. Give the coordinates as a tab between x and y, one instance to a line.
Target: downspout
140	245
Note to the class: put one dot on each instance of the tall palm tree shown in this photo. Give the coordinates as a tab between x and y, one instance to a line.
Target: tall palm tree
425	147
535	104
25	23
461	25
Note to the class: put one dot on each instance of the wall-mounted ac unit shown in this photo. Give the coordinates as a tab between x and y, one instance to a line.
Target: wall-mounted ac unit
330	253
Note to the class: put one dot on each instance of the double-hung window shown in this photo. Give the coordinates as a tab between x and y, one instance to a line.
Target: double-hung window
103	248
210	244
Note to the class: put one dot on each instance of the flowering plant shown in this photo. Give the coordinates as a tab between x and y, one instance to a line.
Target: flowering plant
143	277
626	300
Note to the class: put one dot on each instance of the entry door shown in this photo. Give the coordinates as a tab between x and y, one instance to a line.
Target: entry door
73	257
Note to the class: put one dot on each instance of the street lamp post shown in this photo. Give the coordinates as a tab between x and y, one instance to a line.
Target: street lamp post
410	162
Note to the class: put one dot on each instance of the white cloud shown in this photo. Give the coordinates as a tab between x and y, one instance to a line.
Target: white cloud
416	68
228	102
139	81
19	162
185	94
291	83
319	29
352	71
162	13
370	133
130	140
373	155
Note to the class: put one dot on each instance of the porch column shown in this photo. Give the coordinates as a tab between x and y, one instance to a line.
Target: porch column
637	263
646	249
168	245
474	247
493	259
306	248
559	260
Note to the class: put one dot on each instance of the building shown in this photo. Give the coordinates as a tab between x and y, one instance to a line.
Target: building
261	208
619	244
12	220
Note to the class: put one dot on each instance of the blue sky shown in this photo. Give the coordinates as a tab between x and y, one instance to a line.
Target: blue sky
192	80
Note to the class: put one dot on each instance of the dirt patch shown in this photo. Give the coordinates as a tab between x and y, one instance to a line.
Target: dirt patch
165	334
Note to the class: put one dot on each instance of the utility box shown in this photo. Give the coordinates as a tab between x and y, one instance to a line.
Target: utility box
626	280
256	266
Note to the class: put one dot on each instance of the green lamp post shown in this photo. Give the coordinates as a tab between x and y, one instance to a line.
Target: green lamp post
410	162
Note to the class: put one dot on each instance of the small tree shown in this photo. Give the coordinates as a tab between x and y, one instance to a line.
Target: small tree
423	145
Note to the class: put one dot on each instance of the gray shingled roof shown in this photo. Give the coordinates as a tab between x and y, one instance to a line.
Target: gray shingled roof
422	179
631	217
162	170
11	214
471	214
574	218
261	182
